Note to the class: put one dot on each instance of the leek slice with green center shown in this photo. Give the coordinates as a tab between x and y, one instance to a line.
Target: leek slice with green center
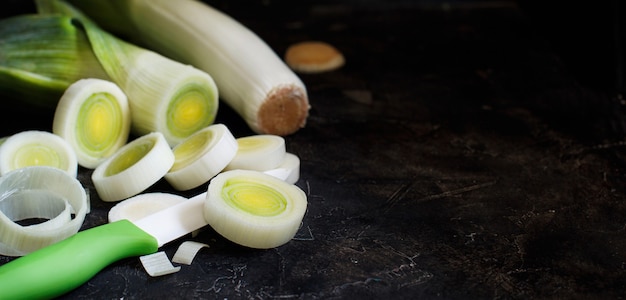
37	148
94	117
202	156
133	168
164	95
40	57
254	209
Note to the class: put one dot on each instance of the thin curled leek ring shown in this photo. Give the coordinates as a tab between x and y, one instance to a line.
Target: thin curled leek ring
47	188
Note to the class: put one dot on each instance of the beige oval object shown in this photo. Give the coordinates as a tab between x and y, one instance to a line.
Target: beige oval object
313	57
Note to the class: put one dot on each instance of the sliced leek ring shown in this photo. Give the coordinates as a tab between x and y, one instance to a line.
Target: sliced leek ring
93	115
258	152
254	209
39	192
133	168
142	205
37	148
288	170
201	156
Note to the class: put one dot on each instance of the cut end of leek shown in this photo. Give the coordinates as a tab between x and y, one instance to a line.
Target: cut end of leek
193	107
94	117
202	156
284	111
254	209
37	148
133	168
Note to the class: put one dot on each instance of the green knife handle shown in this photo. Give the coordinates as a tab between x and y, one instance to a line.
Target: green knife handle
64	266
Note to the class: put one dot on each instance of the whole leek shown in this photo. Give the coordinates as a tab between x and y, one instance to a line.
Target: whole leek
164	95
40	56
251	77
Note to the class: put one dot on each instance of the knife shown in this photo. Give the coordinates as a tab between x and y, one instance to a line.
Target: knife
61	267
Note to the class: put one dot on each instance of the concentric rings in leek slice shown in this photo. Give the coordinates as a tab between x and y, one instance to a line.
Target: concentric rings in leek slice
254	209
37	148
133	168
93	116
201	156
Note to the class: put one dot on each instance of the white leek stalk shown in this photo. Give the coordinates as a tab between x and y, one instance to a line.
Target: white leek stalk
252	79
94	117
39	192
202	156
254	209
133	168
164	95
258	152
41	55
37	148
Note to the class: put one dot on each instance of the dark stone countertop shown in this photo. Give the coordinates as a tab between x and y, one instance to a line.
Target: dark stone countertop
454	156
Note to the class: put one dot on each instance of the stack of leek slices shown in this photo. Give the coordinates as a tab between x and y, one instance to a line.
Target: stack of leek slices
251	196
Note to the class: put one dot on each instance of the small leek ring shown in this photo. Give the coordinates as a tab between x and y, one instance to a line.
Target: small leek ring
37	148
201	156
133	168
49	192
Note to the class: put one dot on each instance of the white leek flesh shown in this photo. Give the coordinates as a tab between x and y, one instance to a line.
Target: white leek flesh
157	264
201	156
50	190
254	209
288	170
164	95
37	148
251	77
94	117
133	168
259	152
187	251
41	56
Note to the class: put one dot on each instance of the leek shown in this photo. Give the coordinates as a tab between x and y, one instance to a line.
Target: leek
201	156
164	95
254	209
37	148
39	192
41	56
133	168
259	152
252	79
288	170
94	117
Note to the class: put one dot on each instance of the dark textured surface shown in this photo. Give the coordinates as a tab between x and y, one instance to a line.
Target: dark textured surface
454	156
